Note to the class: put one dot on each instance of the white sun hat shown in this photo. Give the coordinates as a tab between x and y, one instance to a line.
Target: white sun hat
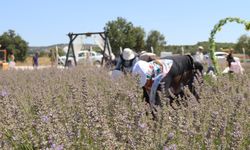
144	70
200	47
128	54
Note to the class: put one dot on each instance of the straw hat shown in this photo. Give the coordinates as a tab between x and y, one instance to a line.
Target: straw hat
128	54
200	47
147	56
143	52
144	70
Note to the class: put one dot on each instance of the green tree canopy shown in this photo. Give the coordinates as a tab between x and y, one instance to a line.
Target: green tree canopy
123	34
156	40
218	46
13	42
243	42
139	37
52	53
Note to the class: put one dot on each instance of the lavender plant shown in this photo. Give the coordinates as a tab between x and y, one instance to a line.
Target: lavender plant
83	108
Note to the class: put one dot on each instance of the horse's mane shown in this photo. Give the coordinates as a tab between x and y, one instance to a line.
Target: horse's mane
191	61
182	63
196	65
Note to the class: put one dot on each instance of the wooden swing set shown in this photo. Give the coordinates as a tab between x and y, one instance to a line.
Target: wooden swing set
103	35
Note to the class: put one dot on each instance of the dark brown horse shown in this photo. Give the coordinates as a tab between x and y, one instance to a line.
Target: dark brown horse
182	73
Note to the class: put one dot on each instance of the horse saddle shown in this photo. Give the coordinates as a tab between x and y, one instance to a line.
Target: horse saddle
166	66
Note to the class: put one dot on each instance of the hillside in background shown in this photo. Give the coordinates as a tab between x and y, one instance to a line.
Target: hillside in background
47	47
33	49
176	49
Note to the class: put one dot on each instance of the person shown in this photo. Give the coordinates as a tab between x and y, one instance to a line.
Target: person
88	59
147	56
230	58
147	71
126	61
35	60
234	66
12	63
174	71
151	73
210	66
199	57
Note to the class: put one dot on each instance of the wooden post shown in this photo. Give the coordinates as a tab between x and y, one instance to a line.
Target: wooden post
104	49
182	50
56	56
152	49
121	50
72	37
244	53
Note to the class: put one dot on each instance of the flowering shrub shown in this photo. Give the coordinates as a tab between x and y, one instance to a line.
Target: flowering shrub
82	108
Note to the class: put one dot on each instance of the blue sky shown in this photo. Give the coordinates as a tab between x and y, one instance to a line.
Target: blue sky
46	22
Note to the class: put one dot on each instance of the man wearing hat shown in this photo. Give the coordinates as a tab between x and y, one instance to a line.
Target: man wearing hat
126	61
199	55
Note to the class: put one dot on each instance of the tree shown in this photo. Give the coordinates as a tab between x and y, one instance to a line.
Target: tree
156	40
243	42
139	37
12	42
52	52
218	46
123	34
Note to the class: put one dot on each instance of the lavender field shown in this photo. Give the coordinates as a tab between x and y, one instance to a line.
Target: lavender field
82	108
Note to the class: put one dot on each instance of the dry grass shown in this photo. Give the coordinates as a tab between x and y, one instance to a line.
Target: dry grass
43	61
246	66
81	108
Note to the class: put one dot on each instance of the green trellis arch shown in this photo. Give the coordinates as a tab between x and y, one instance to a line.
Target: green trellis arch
216	29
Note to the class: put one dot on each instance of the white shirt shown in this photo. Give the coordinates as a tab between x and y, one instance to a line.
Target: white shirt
199	57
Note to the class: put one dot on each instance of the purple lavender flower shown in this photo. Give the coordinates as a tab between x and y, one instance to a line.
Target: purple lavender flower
4	93
45	118
171	147
53	145
170	136
59	147
142	125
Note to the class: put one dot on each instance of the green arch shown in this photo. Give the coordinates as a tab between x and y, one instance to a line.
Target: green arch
216	29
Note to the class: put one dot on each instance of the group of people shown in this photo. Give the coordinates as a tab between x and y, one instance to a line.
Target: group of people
233	66
148	65
152	70
128	58
12	63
